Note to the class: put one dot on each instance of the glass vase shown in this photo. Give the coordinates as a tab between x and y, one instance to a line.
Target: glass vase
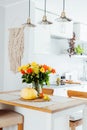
37	86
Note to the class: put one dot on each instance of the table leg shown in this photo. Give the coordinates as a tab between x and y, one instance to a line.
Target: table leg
84	127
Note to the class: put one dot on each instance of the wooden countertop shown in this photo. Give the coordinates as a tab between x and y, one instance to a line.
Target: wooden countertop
56	104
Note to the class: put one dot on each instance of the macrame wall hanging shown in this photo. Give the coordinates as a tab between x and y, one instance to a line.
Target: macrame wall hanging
16	47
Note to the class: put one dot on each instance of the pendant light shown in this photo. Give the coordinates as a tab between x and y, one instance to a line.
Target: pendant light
63	17
29	24
44	19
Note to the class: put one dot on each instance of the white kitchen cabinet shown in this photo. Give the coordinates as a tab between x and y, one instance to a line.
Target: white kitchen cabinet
62	91
62	30
80	30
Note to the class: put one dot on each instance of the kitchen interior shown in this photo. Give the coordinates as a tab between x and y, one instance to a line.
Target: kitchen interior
49	44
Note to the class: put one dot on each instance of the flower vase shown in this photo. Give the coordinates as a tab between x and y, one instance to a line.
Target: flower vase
37	86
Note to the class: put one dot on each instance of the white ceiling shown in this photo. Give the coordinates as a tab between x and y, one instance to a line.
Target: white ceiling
75	9
10	2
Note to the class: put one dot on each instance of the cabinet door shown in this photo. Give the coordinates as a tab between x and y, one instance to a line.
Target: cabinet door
63	91
82	88
80	30
62	30
60	91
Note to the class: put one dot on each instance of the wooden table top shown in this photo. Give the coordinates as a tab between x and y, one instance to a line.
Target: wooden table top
56	104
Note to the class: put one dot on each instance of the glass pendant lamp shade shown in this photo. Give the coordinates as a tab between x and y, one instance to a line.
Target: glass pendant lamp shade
44	19
28	23
63	17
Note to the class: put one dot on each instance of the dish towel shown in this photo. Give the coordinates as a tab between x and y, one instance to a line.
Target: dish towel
16	47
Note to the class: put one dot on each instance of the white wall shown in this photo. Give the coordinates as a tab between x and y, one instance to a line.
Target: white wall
1	46
15	15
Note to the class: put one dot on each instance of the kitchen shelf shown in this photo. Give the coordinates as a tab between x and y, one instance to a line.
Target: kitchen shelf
79	56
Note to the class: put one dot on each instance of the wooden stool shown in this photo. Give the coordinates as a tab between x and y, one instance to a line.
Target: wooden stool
74	124
10	118
73	93
48	91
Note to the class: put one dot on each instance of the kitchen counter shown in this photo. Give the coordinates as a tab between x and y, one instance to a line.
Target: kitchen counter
64	86
61	90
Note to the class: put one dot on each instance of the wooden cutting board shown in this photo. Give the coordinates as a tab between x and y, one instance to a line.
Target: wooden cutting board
71	82
35	100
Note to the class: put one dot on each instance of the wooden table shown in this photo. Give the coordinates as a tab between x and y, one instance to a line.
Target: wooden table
48	115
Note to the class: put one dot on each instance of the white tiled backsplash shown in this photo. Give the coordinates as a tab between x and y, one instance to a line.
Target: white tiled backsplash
73	75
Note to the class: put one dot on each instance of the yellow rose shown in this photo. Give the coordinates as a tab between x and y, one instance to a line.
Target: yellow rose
49	68
42	70
33	64
24	67
36	70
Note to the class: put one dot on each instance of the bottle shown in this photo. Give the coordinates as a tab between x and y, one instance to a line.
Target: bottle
62	82
58	81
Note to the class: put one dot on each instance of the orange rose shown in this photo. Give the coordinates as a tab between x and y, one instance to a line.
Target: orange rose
29	71
53	71
23	72
45	67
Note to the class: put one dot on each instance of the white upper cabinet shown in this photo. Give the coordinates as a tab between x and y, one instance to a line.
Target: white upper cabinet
80	30
62	30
